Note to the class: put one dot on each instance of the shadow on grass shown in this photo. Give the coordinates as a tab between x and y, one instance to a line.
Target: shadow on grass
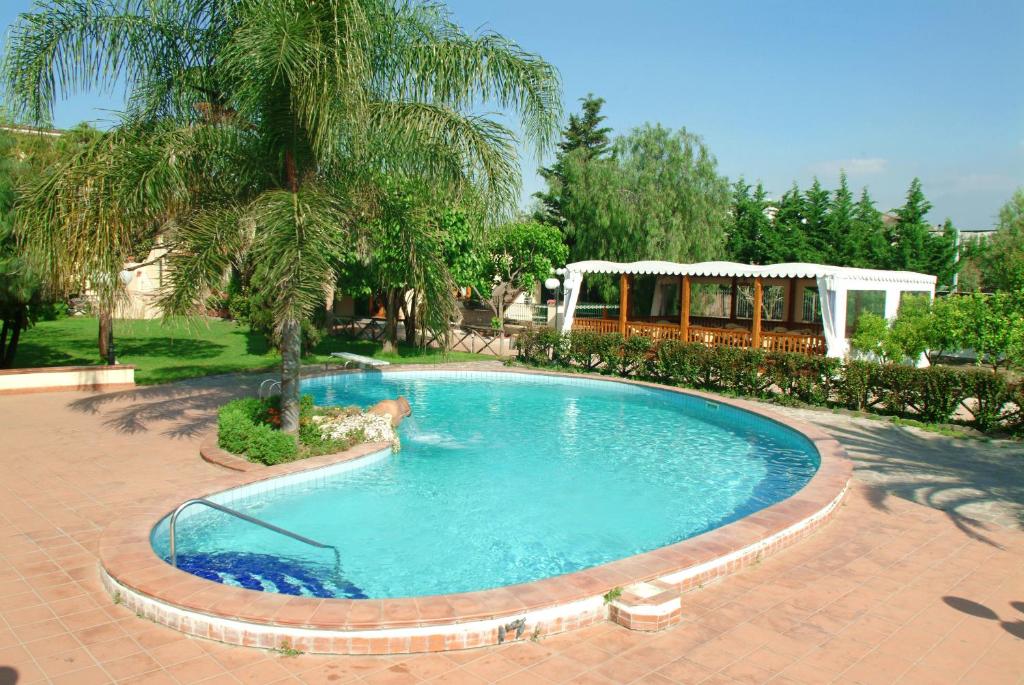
942	473
181	348
31	354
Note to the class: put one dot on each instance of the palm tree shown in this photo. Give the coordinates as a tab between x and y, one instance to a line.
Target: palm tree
261	132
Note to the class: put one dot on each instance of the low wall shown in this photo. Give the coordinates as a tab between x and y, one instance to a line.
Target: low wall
58	378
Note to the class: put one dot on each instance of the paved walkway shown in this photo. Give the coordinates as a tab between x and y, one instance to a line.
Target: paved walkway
890	591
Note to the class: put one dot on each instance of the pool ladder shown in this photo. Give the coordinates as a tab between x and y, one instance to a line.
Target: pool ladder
250	519
268	386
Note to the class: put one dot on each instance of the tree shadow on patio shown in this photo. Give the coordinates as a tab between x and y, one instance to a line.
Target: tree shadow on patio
180	410
1015	628
974	483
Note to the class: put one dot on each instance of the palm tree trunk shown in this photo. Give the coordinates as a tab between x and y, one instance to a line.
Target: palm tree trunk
391	321
410	320
106	341
291	359
20	322
3	345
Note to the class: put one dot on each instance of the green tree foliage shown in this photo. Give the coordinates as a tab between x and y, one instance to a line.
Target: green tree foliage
830	228
585	134
18	285
914	246
816	224
994	327
749	237
839	224
1001	257
990	325
24	157
516	257
867	230
659	194
261	129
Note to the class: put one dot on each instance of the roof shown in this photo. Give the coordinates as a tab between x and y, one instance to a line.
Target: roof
728	269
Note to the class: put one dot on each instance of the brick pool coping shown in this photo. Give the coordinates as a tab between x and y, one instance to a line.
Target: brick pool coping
137	577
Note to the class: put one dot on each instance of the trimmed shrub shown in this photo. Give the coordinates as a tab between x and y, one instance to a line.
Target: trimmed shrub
856	386
234	423
931	394
678	363
269	446
895	387
939	391
811	380
632	357
990	392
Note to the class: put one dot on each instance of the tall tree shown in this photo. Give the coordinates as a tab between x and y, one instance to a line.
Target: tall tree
915	245
817	203
25	155
909	235
788	241
867	235
262	129
749	237
585	134
839	225
659	195
1001	257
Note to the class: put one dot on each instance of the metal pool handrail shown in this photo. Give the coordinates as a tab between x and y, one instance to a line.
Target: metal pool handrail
250	519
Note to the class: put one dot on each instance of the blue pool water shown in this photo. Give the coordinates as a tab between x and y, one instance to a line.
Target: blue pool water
501	479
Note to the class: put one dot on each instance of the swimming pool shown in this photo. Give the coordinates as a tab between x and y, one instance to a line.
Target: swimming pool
502	479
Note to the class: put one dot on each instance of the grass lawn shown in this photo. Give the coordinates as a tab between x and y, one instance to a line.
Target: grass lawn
169	351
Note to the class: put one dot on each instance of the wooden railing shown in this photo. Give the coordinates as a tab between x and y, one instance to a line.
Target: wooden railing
596	325
655	331
710	336
720	337
793	342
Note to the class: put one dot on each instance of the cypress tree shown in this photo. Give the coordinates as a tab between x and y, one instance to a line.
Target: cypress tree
788	228
817	202
839	224
909	236
871	248
750	238
583	136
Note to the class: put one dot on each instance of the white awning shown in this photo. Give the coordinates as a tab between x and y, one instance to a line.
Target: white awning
730	269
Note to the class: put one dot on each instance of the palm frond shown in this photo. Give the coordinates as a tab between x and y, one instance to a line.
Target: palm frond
65	46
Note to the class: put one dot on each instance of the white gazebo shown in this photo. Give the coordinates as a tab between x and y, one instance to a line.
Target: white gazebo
809	308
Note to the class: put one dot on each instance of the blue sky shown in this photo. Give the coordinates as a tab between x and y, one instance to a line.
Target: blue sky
784	91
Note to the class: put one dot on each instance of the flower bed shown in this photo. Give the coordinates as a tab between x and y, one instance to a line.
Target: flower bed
250	427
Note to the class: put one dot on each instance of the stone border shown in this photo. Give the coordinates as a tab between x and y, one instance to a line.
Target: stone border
62	378
145	583
211	452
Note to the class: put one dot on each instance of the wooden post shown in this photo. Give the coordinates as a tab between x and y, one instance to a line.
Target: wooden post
792	303
684	309
756	327
732	300
623	302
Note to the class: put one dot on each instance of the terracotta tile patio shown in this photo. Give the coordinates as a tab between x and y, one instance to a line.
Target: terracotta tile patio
889	591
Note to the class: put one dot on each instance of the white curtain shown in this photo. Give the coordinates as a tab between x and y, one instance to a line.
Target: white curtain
833	315
572	283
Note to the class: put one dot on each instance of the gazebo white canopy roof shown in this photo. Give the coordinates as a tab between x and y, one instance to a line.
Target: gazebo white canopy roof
834	282
730	269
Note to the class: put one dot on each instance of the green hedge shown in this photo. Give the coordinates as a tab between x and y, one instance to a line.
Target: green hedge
930	394
245	427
